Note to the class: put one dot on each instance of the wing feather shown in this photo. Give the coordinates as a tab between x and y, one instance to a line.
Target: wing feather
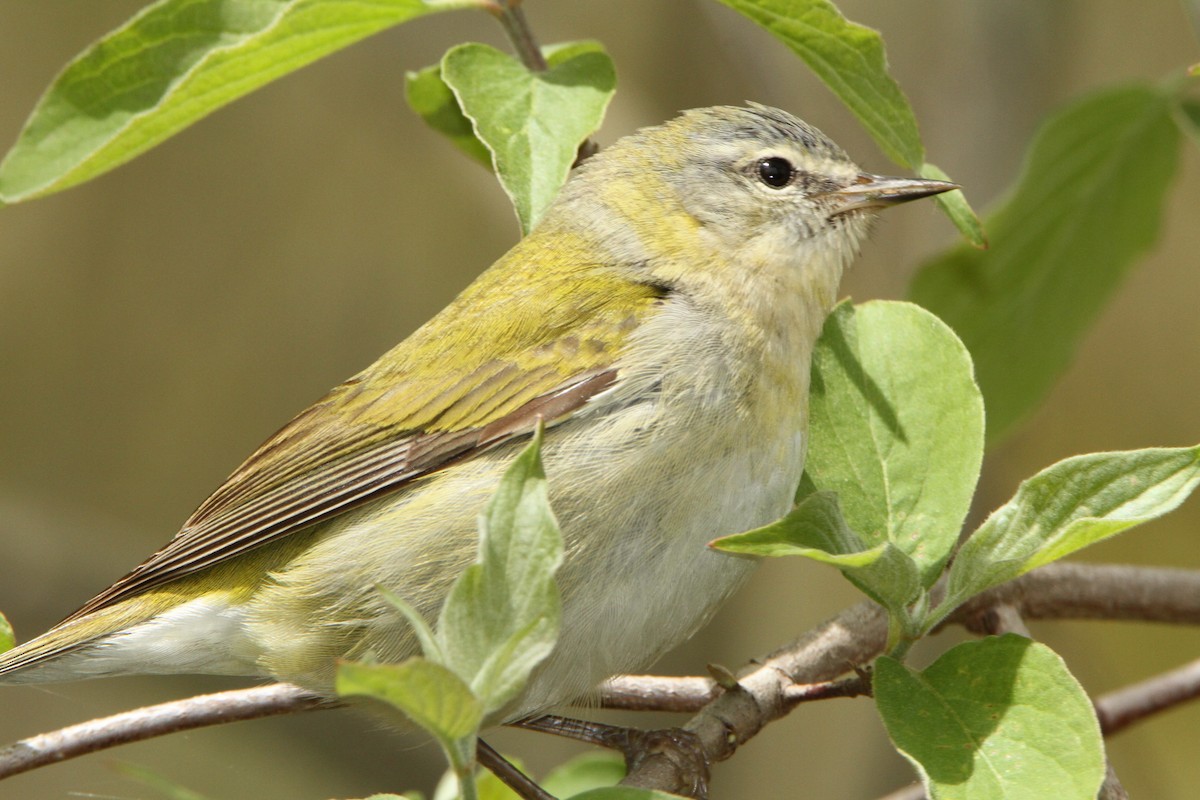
334	489
352	447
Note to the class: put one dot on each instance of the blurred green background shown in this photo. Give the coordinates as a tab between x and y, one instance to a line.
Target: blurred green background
159	323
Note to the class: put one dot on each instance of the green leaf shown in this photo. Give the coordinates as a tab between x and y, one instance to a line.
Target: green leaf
489	787
584	772
502	615
430	695
815	529
1068	506
430	646
532	122
849	58
1190	112
624	793
429	96
956	207
8	639
508	666
169	66
164	786
895	428
1088	203
999	718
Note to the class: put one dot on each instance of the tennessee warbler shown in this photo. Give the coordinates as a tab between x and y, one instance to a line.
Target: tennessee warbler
660	320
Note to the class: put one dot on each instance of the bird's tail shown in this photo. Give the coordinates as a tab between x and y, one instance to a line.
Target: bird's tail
143	635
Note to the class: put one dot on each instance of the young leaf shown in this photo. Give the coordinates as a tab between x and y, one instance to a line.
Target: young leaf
430	646
998	718
1068	506
896	428
1189	110
430	695
587	771
8	639
429	96
169	66
501	617
533	122
815	529
165	787
487	785
1088	203
503	674
624	793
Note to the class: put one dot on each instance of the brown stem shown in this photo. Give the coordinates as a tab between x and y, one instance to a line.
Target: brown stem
1111	789
147	723
524	786
1119	709
1095	591
512	18
1003	618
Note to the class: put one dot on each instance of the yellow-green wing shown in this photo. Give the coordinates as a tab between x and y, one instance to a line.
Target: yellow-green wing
499	358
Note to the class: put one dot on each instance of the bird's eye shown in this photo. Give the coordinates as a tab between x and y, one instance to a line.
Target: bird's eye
776	172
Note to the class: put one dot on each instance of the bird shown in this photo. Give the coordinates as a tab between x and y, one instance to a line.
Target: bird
659	321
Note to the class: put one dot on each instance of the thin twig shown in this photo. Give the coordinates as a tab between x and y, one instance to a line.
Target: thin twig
855	686
524	786
678	694
512	18
151	721
1119	709
1111	789
1095	591
1003	618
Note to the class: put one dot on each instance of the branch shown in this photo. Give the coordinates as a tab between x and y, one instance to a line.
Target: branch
725	719
1119	709
151	721
1056	591
853	637
512	18
857	635
1094	591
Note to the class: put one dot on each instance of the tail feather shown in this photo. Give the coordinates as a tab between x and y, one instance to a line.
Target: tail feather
200	636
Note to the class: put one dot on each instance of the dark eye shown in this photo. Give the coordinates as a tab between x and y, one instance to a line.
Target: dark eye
776	172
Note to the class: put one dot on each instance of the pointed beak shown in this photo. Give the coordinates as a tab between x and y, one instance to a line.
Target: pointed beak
877	191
